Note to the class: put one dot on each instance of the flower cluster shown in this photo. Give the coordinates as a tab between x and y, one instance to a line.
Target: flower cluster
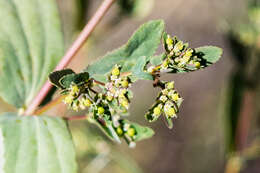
106	107
126	130
77	96
167	103
117	88
178	56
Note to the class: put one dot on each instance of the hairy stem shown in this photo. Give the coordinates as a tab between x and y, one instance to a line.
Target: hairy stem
88	29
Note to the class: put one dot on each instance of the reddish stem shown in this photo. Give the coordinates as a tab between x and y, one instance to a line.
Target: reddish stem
79	117
244	121
79	42
98	82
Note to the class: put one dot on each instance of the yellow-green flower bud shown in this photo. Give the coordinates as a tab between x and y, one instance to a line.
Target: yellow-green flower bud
109	98
175	97
185	59
178	47
170	112
122	93
74	90
68	99
165	64
163	98
189	52
115	71
197	64
169	40
124	83
124	103
170	85
101	110
165	92
131	132
87	102
157	111
119	131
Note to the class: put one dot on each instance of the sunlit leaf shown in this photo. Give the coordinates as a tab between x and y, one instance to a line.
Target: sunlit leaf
35	144
143	43
31	44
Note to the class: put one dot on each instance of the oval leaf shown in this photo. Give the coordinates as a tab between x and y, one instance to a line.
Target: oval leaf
211	54
35	145
31	45
144	42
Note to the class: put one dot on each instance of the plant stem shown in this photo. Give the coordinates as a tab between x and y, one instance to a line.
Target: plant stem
49	105
79	42
79	117
98	82
244	121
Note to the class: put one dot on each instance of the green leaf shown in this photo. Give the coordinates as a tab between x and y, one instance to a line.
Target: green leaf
144	42
209	54
35	145
31	44
138	70
157	59
78	79
107	127
142	132
57	75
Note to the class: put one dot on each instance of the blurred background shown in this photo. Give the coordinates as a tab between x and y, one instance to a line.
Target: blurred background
218	126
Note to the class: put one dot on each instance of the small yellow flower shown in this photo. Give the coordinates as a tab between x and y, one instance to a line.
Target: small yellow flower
115	71
178	47
169	42
185	59
68	99
157	111
119	131
197	64
170	112
131	132
175	97
122	93
101	110
86	102
165	64
109	98
124	103
163	98
189	52
165	92
74	90
124	83
170	85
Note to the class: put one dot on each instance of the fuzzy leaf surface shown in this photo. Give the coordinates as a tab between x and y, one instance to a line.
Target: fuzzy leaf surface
143	43
35	144
31	44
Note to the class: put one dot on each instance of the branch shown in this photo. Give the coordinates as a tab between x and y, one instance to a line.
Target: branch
88	29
